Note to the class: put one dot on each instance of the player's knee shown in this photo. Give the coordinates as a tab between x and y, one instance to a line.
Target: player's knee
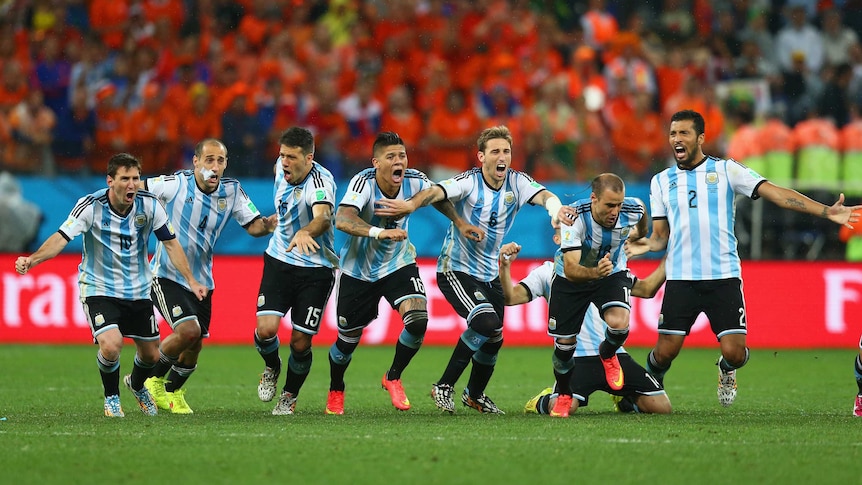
616	317
485	321
653	404
416	322
736	356
189	331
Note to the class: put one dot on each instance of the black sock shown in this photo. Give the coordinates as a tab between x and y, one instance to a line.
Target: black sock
614	339
163	365
268	349
403	356
858	367
109	370
178	376
343	352
140	373
457	363
298	367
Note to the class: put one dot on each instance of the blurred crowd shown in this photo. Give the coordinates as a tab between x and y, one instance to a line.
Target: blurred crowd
585	86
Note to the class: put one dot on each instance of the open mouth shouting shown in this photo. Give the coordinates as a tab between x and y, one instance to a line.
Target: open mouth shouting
397	175
679	153
500	169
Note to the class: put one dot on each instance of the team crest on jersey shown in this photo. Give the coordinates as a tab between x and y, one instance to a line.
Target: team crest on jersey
342	322
99	319
712	178
176	311
624	233
140	220
261	300
509	198
221	204
297	194
479	296
552	324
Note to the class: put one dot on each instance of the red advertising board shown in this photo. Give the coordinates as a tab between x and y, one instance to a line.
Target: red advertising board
790	304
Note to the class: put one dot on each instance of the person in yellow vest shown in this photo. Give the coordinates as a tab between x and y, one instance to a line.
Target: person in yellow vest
777	145
817	155
744	145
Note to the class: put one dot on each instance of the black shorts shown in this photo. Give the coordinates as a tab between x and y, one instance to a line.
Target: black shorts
358	299
178	305
568	302
305	290
134	318
465	293
588	377
720	300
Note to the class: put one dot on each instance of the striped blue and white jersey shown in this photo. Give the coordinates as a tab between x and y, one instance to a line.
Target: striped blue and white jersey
199	219
700	208
114	261
492	210
294	204
595	240
370	259
538	284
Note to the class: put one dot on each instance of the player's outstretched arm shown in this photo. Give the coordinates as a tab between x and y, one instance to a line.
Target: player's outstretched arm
648	287
49	249
347	220
791	199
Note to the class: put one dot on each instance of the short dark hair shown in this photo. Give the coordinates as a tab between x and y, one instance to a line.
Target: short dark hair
386	139
608	181
298	137
199	148
694	116
122	160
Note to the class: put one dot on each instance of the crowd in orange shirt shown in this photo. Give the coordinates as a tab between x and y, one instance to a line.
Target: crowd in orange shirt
585	87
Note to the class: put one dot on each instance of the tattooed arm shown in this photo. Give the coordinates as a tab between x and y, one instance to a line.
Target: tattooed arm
791	199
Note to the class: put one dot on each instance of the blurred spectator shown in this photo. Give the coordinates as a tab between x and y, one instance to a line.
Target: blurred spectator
628	62
834	101
451	139
153	132
13	85
330	130
851	148
53	74
639	140
32	126
558	133
800	89
676	22
744	144
199	122
363	112
837	38
757	31
779	148
111	133
109	19
19	218
243	137
817	156
401	118
799	39
74	135
598	24
91	70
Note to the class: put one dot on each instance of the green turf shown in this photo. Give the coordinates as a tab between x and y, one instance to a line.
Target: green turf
791	423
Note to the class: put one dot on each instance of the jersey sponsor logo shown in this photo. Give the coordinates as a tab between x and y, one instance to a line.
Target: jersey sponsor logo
509	198
140	220
297	194
189	200
176	311
712	178
221	204
672	185
319	194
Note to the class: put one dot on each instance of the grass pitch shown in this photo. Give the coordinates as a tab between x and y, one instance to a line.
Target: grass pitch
791	423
